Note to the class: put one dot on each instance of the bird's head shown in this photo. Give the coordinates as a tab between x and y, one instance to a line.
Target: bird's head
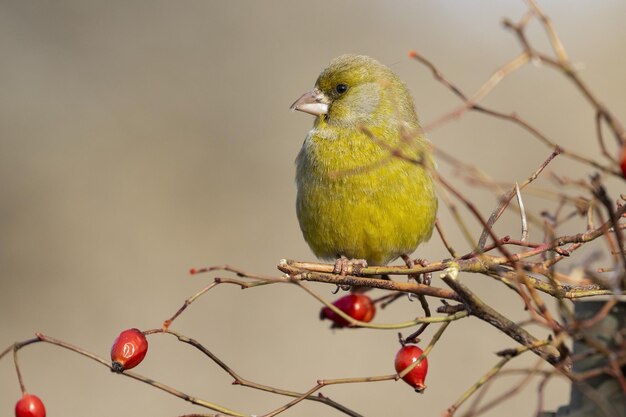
356	89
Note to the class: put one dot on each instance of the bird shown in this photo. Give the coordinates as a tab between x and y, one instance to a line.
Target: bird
365	189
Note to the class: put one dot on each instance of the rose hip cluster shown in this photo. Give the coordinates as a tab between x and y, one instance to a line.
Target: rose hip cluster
361	307
131	346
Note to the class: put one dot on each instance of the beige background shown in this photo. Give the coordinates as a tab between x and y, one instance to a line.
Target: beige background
138	139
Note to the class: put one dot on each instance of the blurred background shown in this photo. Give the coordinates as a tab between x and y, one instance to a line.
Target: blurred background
139	139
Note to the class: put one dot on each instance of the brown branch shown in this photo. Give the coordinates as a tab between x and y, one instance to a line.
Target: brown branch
239	380
514	118
605	152
444	240
472	208
260	280
601	194
170	390
301	274
506	198
483	311
564	67
559	49
511	353
471	102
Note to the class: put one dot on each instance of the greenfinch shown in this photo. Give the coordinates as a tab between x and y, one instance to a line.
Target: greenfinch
365	191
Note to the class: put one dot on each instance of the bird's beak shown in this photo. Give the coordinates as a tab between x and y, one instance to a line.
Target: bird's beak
313	102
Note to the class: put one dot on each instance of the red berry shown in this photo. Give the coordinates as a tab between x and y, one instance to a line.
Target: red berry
128	350
30	406
358	306
405	357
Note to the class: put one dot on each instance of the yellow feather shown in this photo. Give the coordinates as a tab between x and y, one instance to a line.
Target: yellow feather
355	198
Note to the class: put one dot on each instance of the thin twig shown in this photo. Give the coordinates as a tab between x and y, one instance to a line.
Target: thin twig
559	49
471	102
514	118
394	326
445	241
520	203
506	198
483	311
170	390
492	372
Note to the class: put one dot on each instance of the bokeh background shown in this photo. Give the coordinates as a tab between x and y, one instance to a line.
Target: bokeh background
139	139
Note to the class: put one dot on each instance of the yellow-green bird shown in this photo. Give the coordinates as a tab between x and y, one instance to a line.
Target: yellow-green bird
361	194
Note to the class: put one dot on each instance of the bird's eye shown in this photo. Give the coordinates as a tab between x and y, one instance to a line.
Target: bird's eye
341	88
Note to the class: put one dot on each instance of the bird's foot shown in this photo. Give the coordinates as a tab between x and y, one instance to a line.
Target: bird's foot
345	266
410	263
428	276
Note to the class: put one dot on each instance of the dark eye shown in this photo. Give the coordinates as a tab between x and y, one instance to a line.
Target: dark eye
341	88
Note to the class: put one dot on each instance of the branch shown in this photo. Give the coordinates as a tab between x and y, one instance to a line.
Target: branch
506	198
483	311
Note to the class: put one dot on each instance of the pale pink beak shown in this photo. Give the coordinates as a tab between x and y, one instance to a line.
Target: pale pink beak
313	102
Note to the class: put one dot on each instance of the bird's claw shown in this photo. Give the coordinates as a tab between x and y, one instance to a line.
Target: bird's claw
345	266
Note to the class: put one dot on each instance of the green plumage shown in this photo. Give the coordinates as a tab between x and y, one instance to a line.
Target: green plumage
355	198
